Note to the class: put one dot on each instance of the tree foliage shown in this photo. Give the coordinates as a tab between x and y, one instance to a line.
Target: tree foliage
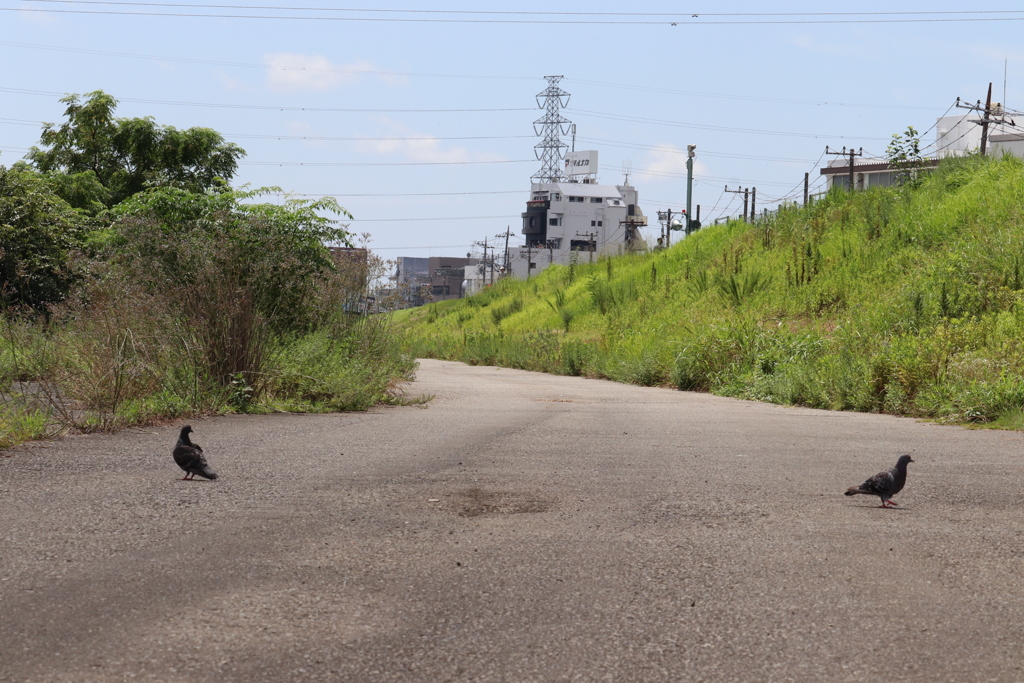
904	155
275	255
39	233
97	160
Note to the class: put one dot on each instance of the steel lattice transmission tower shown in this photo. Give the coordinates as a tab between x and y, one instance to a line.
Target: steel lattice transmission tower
551	150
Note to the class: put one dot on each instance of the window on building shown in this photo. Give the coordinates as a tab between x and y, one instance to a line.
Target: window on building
599	223
556	197
595	200
554	221
593	223
577	200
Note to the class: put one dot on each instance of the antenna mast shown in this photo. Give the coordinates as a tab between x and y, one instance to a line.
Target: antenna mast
549	128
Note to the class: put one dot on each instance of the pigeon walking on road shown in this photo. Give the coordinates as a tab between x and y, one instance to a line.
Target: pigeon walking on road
190	458
885	484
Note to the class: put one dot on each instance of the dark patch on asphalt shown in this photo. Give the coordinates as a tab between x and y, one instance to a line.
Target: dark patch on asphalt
475	502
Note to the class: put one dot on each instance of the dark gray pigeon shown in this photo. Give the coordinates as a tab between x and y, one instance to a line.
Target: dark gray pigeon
190	458
885	484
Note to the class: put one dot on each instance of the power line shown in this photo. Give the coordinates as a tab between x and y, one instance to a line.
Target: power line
328	138
673	150
45	93
251	65
406	220
748	98
395	194
683	124
411	16
383	72
439	246
382	163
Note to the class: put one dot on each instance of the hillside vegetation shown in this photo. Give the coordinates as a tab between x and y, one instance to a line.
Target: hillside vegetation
899	300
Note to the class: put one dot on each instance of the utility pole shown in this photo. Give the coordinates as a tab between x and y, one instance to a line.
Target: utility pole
850	154
592	239
753	201
744	193
987	113
984	120
807	177
665	218
690	153
485	247
506	235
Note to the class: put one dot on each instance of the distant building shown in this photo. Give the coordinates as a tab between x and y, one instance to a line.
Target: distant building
869	172
959	135
478	276
954	136
412	280
576	216
420	281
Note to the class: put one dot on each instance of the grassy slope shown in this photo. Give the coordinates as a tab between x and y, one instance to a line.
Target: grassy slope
895	300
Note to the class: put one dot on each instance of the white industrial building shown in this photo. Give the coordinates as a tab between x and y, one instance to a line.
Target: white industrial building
577	216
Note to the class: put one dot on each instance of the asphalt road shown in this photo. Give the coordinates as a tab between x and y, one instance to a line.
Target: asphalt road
521	527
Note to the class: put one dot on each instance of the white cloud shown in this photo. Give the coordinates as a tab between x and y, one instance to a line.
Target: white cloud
665	163
413	146
289	72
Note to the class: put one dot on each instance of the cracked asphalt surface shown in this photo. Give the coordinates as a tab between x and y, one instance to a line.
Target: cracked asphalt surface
521	527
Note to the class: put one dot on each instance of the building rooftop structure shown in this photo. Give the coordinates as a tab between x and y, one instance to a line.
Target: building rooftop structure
576	218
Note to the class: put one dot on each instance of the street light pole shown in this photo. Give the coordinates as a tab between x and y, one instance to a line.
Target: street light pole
689	184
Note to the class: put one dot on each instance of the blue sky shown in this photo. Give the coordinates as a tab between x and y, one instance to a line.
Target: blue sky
346	99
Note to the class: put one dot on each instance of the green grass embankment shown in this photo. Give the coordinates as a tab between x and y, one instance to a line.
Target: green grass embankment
896	300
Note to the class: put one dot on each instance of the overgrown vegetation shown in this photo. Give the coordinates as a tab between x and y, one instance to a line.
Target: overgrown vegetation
905	300
184	297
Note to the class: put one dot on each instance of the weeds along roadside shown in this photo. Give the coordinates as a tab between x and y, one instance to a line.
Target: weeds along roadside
905	300
199	305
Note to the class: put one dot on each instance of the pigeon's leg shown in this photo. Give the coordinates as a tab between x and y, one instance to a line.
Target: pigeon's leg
889	503
188	476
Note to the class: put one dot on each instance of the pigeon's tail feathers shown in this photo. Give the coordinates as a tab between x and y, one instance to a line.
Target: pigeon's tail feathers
854	490
205	471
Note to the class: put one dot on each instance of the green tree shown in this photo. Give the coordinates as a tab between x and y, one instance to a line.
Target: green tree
904	155
276	253
97	160
39	234
241	274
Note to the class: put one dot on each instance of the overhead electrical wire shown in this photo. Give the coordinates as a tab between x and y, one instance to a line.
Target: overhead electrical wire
396	194
519	17
319	164
259	107
683	124
405	220
410	74
746	98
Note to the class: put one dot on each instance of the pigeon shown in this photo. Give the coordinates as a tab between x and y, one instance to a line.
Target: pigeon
886	484
190	458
